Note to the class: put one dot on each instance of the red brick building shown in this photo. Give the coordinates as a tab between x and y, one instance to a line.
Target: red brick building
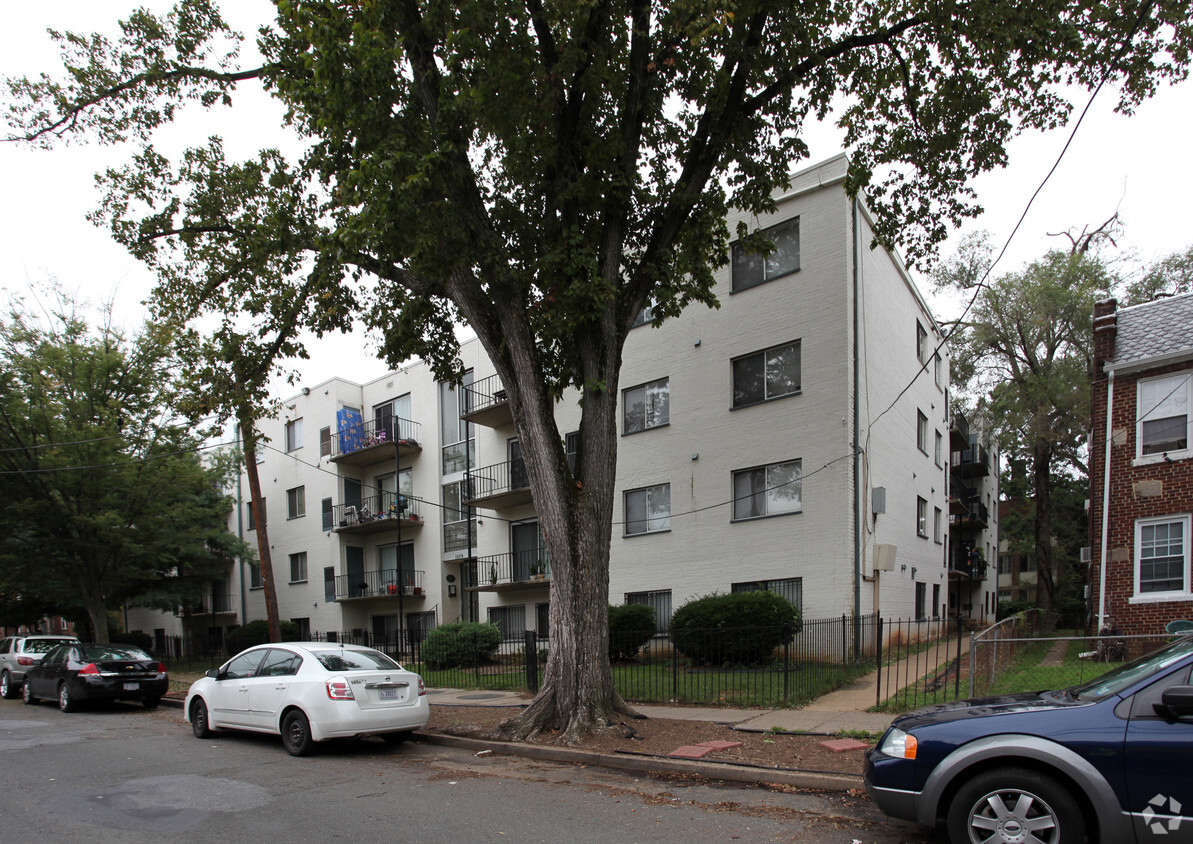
1141	464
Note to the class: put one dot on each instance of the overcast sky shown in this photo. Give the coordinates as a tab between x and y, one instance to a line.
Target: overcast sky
1137	165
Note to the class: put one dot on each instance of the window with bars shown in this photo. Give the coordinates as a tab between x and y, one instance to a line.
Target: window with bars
511	621
791	588
660	601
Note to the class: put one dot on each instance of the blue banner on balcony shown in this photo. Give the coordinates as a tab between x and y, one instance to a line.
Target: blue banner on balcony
350	426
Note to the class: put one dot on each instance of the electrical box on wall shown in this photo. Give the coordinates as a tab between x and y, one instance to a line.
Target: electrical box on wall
878	500
884	557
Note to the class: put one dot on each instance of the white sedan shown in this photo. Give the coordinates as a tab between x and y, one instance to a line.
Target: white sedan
308	692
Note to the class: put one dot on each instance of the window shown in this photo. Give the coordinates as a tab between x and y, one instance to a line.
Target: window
511	621
646	406
937	519
1163	406
1162	556
648	510
329	584
921	517
791	588
456	434
921	431
1027	563
644	316
328	519
753	268
769	374
1004	563
768	490
296	502
459	522
660	600
252	524
936	369
298	567
325	442
936	600
921	343
937	451
542	616
921	600
294	435
571	449
255	575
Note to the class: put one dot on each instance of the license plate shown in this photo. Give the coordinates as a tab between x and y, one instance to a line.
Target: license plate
131	687
387	694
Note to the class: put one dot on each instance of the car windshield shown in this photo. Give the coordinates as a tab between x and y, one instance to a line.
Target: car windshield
107	653
41	646
1129	673
346	660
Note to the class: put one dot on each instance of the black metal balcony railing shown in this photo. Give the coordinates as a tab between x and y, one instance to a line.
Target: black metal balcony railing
521	567
487	403
386	583
371	440
499	485
209	604
959	497
959	431
961	565
975	516
376	513
972	461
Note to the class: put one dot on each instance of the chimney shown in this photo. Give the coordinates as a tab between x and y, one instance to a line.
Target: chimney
1105	332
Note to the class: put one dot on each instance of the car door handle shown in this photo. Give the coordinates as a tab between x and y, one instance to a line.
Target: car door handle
281	686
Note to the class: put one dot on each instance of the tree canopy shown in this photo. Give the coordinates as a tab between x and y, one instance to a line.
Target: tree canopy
107	497
541	171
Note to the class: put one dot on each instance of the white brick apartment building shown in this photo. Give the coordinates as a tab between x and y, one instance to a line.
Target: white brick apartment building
736	467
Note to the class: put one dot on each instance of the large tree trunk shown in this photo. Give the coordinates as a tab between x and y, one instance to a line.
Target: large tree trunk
1042	523
271	594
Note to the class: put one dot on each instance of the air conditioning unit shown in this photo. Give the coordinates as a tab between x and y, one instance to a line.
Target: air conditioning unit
1085	554
884	557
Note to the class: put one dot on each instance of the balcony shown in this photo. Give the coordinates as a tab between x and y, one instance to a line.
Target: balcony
972	461
487	403
500	485
508	572
388	584
975	516
959	497
959	432
960	567
364	443
208	605
376	514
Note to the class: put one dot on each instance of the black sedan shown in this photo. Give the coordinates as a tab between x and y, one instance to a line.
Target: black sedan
80	672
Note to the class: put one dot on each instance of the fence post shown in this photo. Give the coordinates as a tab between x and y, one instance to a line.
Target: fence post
878	663
957	679
787	663
844	642
476	662
674	669
973	646
530	640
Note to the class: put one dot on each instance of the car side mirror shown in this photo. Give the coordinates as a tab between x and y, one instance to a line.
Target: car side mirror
213	673
1176	702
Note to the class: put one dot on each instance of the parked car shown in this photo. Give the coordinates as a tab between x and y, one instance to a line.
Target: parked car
1108	759
20	653
77	672
309	692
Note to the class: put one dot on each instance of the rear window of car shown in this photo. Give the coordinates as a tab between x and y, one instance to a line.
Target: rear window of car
42	646
347	660
98	653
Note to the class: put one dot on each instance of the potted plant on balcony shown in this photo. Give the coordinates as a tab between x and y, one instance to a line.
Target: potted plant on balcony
538	570
493	574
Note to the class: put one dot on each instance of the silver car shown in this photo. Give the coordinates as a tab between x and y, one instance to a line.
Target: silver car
20	653
309	692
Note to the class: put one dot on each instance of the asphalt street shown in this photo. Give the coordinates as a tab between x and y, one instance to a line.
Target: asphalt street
119	773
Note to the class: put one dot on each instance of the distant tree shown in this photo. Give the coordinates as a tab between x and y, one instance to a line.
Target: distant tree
108	499
1169	276
544	171
1025	348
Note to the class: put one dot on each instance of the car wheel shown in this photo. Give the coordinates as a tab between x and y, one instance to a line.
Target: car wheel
296	734
1015	805
396	738
200	724
66	701
27	693
151	702
6	688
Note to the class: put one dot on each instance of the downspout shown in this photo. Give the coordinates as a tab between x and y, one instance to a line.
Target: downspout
244	607
1105	504
857	486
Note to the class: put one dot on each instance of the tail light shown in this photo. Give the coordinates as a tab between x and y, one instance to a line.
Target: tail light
161	668
422	689
89	669
26	661
338	689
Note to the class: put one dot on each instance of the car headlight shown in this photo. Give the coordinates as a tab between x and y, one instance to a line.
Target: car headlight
898	744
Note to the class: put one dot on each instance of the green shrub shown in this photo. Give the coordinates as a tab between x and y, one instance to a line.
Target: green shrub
1006	609
741	628
257	633
630	627
460	645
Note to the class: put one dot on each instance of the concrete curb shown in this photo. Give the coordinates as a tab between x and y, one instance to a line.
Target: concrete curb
821	781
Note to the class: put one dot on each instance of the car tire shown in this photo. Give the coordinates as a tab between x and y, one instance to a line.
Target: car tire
151	702
296	734
66	701
397	738
27	693
200	724
1005	803
7	690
